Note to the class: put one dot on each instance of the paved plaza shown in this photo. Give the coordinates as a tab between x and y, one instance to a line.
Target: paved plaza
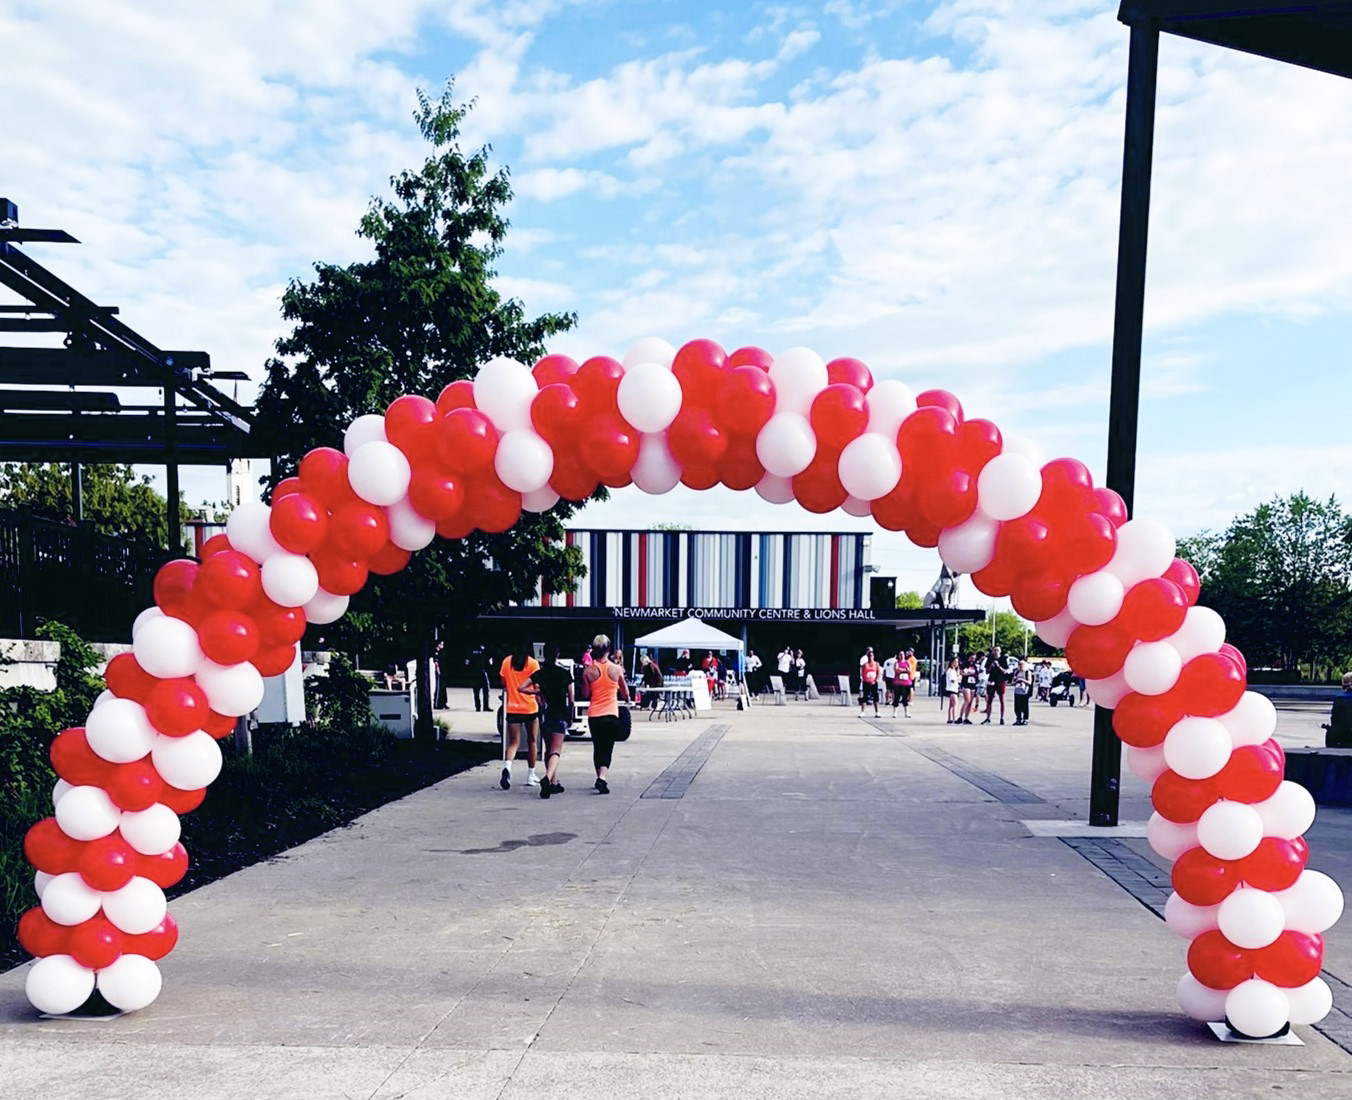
787	902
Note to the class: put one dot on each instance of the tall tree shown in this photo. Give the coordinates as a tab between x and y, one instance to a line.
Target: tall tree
419	314
1009	632
116	501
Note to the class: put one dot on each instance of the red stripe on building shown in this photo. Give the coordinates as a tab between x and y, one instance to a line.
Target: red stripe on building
643	569
835	570
568	541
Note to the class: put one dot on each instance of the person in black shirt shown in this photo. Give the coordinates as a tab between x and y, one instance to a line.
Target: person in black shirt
998	676
553	684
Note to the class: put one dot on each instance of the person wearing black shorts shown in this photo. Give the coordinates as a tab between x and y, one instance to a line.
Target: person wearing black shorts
998	673
870	673
553	684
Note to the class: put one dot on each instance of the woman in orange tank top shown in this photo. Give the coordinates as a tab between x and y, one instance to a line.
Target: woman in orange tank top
522	714
605	685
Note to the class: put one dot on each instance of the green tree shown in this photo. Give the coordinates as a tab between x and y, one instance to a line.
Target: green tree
1010	632
1281	577
116	501
909	601
420	313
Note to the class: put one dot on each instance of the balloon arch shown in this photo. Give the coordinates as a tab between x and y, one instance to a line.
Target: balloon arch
792	427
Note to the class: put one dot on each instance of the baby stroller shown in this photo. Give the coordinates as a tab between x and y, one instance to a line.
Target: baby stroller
1061	691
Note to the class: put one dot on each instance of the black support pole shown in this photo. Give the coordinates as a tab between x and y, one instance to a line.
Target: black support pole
171	470
1128	319
77	491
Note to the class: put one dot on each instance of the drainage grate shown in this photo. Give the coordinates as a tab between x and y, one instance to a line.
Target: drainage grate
1002	790
675	780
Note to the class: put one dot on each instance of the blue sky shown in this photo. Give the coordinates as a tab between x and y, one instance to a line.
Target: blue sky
929	187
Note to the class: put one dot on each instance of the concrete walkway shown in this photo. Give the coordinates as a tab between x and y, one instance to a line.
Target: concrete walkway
827	907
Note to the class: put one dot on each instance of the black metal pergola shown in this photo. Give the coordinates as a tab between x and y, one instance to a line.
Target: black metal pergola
59	404
1313	35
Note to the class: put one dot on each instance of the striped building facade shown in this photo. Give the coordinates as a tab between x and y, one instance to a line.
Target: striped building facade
697	569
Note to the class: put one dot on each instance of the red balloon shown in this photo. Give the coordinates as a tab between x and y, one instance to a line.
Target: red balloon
1098	651
107	863
457	527
940	399
1185	576
700	367
228	637
493	506
178	707
1023	543
852	372
612	450
1181	800
1291	960
1041	594
411	425
927	439
229	580
696	442
1210	684
1275	864
273	660
458	395
298	522
746	400
388	560
182	802
219	725
948	498
215	545
338	573
1253	772
1143	721
571	479
553	369
751	357
978	442
839	414
818	488
555	413
277	625
596	383
75	762
174	588
286	487
1202	879
156	943
135	786
1153	609
924	534
166	869
357	529
41	936
467	441
48	849
697	478
1088	542
434	494
95	943
127	679
1217	963
323	475
740	467
1066	483
1235	655
1112	506
897	510
998	579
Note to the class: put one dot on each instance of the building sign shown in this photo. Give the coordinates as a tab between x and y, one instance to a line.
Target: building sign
754	614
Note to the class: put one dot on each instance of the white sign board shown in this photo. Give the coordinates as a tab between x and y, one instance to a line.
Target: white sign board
699	690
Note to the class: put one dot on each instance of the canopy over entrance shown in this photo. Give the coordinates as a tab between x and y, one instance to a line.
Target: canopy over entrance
689	633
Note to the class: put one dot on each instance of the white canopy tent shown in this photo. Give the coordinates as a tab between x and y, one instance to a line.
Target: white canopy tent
689	633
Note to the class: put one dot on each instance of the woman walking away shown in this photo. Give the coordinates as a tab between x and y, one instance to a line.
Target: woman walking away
952	688
554	685
522	715
604	683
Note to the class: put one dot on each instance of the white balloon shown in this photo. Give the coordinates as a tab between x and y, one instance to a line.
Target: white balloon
232	690
970	546
1251	918
249	529
1230	830
40	881
1152	668
1189	921
1169	838
137	907
1203	631
365	429
1109	691
167	647
869	466
153	831
799	374
1288	812
1197	748
144	617
775	489
1008	487
860	509
62	786
1055	632
542	500
649	396
1096	598
1310	1002
87	813
1313	904
409	529
69	900
524	461
325	607
1147	764
57	984
1200	1002
188	763
1145	549
656	470
103	697
1252	721
503	391
889	403
786	445
119	731
131	983
1257	1009
290	580
649	349
379	473
1023	446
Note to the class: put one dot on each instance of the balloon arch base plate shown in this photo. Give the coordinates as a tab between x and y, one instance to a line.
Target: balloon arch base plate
1284	1038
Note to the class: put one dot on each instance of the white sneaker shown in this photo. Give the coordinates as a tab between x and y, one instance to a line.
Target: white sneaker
532	780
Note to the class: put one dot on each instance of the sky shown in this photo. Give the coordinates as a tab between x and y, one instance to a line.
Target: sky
930	187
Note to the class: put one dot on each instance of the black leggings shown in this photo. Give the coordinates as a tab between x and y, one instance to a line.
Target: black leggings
1020	707
605	729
